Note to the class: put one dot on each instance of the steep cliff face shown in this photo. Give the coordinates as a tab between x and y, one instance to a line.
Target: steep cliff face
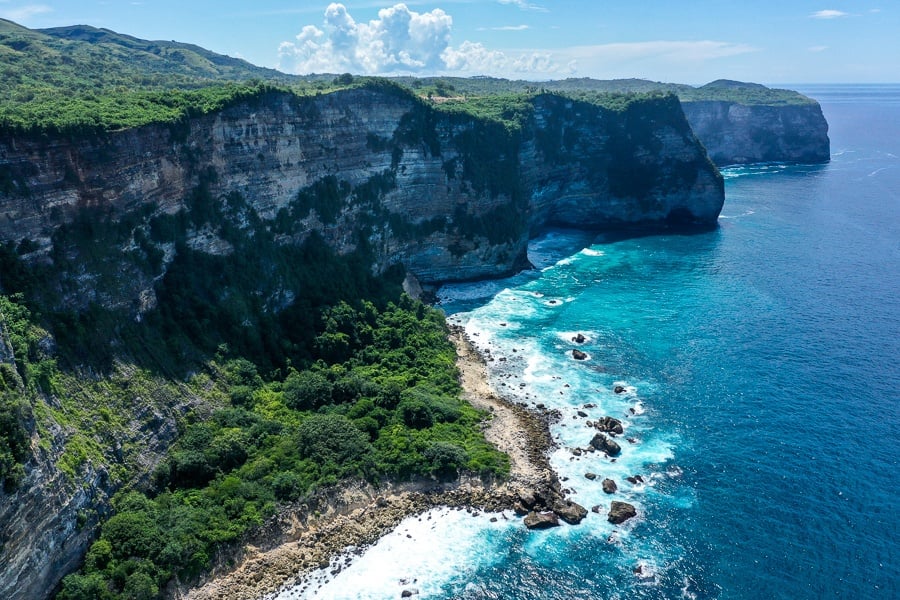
593	169
449	196
735	133
49	521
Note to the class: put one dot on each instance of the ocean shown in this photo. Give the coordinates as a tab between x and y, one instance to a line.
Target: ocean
761	367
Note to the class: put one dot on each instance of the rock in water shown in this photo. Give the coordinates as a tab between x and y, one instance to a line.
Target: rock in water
609	424
619	512
544	520
570	512
578	354
609	486
591	476
578	339
603	443
619	389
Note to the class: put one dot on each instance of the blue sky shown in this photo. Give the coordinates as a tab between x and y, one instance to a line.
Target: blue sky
786	41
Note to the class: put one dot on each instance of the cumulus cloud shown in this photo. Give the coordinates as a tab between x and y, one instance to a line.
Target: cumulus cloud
401	40
828	14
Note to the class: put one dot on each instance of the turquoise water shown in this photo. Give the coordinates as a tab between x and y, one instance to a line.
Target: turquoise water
762	367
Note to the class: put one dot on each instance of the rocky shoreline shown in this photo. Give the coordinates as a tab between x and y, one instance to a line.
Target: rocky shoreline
307	536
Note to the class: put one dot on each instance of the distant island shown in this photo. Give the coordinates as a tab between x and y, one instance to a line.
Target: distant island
212	273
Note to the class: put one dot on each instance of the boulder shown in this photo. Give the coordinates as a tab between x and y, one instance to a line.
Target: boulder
544	520
604	444
576	451
609	486
581	414
591	476
570	512
520	509
578	354
527	498
609	424
619	512
578	339
619	389
596	508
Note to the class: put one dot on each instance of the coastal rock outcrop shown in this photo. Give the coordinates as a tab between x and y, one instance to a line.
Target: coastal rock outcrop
619	512
570	512
605	444
609	424
541	520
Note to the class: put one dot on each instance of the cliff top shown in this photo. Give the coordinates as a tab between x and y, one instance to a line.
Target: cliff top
81	78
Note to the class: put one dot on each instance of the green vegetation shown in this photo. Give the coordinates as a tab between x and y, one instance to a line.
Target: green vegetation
388	408
721	90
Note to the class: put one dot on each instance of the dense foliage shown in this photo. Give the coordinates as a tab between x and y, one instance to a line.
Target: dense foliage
21	338
389	408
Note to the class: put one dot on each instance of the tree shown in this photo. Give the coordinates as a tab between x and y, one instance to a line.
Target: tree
446	459
307	390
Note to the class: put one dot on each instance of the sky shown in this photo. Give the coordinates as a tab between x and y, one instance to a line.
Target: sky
696	41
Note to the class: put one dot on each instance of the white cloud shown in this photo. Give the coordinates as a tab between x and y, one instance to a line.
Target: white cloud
401	40
24	13
506	28
817	48
828	14
524	5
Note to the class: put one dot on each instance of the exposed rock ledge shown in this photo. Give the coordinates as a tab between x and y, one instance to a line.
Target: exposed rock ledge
305	537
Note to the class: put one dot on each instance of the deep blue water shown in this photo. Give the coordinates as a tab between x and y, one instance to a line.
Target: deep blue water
763	365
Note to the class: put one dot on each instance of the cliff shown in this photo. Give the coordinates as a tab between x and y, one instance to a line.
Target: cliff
738	122
735	133
446	194
231	206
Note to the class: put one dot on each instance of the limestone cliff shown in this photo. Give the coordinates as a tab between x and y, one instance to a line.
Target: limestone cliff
736	133
448	195
104	219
